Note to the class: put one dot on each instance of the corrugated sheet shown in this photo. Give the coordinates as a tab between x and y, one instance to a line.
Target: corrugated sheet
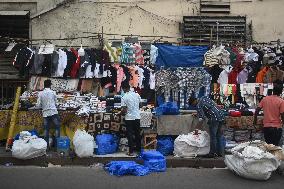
197	29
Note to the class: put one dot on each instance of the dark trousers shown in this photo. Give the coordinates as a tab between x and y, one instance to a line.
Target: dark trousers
133	135
215	131
46	124
272	135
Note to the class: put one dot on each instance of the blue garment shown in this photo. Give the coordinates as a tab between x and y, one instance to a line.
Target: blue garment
188	56
208	108
216	143
46	124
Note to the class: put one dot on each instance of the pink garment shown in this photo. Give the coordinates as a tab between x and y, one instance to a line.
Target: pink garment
272	107
139	58
134	81
120	76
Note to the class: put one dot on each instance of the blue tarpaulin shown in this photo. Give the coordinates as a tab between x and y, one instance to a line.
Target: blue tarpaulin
180	56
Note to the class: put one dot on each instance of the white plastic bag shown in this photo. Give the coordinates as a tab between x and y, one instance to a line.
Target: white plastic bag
83	144
252	162
29	147
191	145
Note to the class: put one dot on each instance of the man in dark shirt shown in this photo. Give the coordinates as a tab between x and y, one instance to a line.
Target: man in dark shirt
207	108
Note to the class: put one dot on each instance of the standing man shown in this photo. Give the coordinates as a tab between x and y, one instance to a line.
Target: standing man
130	104
47	101
207	108
273	110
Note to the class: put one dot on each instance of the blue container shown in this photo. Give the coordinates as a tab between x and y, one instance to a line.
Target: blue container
63	145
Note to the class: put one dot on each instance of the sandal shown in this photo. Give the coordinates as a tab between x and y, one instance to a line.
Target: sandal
130	154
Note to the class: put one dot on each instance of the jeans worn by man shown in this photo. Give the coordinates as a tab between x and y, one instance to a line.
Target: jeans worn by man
215	131
47	121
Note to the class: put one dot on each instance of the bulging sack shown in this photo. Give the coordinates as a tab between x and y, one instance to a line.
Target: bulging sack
107	144
165	145
83	144
192	144
250	160
154	160
29	147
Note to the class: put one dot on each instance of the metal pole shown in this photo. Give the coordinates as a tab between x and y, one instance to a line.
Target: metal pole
217	33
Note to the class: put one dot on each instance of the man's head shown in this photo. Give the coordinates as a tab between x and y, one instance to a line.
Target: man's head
278	88
125	86
47	83
192	101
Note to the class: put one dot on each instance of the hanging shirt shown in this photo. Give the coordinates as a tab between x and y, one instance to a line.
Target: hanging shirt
131	101
62	63
152	80
47	101
261	74
223	77
242	76
76	66
208	108
153	54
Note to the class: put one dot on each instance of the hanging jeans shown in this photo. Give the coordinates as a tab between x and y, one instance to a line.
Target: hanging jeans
215	131
133	130
46	124
272	135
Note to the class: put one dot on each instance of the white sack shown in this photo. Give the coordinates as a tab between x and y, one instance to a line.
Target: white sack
249	161
191	145
83	144
29	147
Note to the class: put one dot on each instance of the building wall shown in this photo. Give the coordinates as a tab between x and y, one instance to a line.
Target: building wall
147	17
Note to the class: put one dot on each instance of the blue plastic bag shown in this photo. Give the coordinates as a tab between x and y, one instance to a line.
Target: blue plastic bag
154	160
120	168
165	145
168	108
33	132
107	144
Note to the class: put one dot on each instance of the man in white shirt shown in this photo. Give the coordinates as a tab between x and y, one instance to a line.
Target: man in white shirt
47	101
130	103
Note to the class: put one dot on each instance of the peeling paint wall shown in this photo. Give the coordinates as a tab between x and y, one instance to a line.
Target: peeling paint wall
149	17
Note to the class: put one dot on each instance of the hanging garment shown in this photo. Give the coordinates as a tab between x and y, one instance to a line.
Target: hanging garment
112	51
120	76
127	54
146	56
37	65
152	80
76	66
139	59
23	61
134	80
141	76
153	54
215	71
270	76
62	63
55	59
46	65
242	76
71	59
223	77
261	74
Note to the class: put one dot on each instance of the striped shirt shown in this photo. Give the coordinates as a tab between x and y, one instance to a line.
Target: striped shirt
208	108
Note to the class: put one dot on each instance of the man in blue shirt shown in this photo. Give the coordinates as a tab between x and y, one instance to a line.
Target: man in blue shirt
207	108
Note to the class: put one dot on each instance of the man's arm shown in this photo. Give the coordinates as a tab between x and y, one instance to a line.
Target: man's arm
282	117
38	103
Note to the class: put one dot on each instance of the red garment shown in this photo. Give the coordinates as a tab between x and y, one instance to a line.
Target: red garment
235	114
232	77
75	67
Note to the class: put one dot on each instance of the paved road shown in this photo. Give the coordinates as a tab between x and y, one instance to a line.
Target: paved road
85	178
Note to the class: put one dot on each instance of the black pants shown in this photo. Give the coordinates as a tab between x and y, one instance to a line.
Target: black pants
272	135
133	130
